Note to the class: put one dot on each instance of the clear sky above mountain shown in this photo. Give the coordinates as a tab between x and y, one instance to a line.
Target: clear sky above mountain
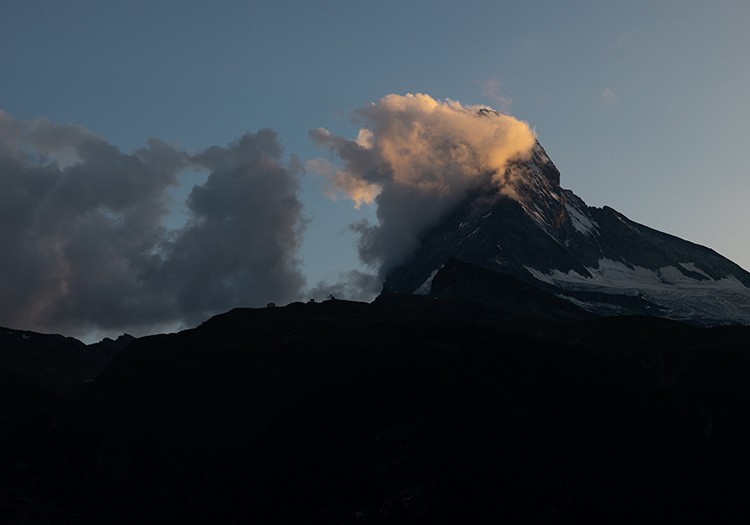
641	105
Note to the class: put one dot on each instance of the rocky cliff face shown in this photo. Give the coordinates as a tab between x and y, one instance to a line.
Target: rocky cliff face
594	257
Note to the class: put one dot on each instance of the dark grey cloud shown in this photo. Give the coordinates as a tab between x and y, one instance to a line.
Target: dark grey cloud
353	285
83	243
239	246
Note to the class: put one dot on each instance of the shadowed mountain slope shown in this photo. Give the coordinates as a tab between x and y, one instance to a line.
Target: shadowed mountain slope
414	409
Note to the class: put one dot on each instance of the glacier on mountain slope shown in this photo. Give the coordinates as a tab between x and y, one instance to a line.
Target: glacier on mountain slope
680	297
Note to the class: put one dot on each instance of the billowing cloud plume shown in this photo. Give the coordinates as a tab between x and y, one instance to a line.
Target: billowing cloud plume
415	158
83	243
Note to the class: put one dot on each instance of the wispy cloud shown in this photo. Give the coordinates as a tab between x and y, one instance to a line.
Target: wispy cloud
492	90
609	97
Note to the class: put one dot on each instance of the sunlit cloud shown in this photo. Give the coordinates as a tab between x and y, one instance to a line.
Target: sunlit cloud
342	182
414	158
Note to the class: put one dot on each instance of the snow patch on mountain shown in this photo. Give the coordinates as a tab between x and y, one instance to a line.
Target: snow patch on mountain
691	267
424	288
599	307
581	222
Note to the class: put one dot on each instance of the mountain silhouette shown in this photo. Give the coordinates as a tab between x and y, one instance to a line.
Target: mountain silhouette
485	399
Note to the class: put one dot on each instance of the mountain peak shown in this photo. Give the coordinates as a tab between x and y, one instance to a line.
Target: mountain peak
596	258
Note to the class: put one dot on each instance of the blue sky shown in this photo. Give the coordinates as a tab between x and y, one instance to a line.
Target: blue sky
643	106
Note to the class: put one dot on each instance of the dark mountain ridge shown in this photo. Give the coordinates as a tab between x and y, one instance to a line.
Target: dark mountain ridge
485	399
40	375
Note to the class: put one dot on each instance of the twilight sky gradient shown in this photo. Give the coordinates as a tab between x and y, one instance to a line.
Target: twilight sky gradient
642	105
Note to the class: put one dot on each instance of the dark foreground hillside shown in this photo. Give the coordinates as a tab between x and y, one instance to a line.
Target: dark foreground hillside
499	404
